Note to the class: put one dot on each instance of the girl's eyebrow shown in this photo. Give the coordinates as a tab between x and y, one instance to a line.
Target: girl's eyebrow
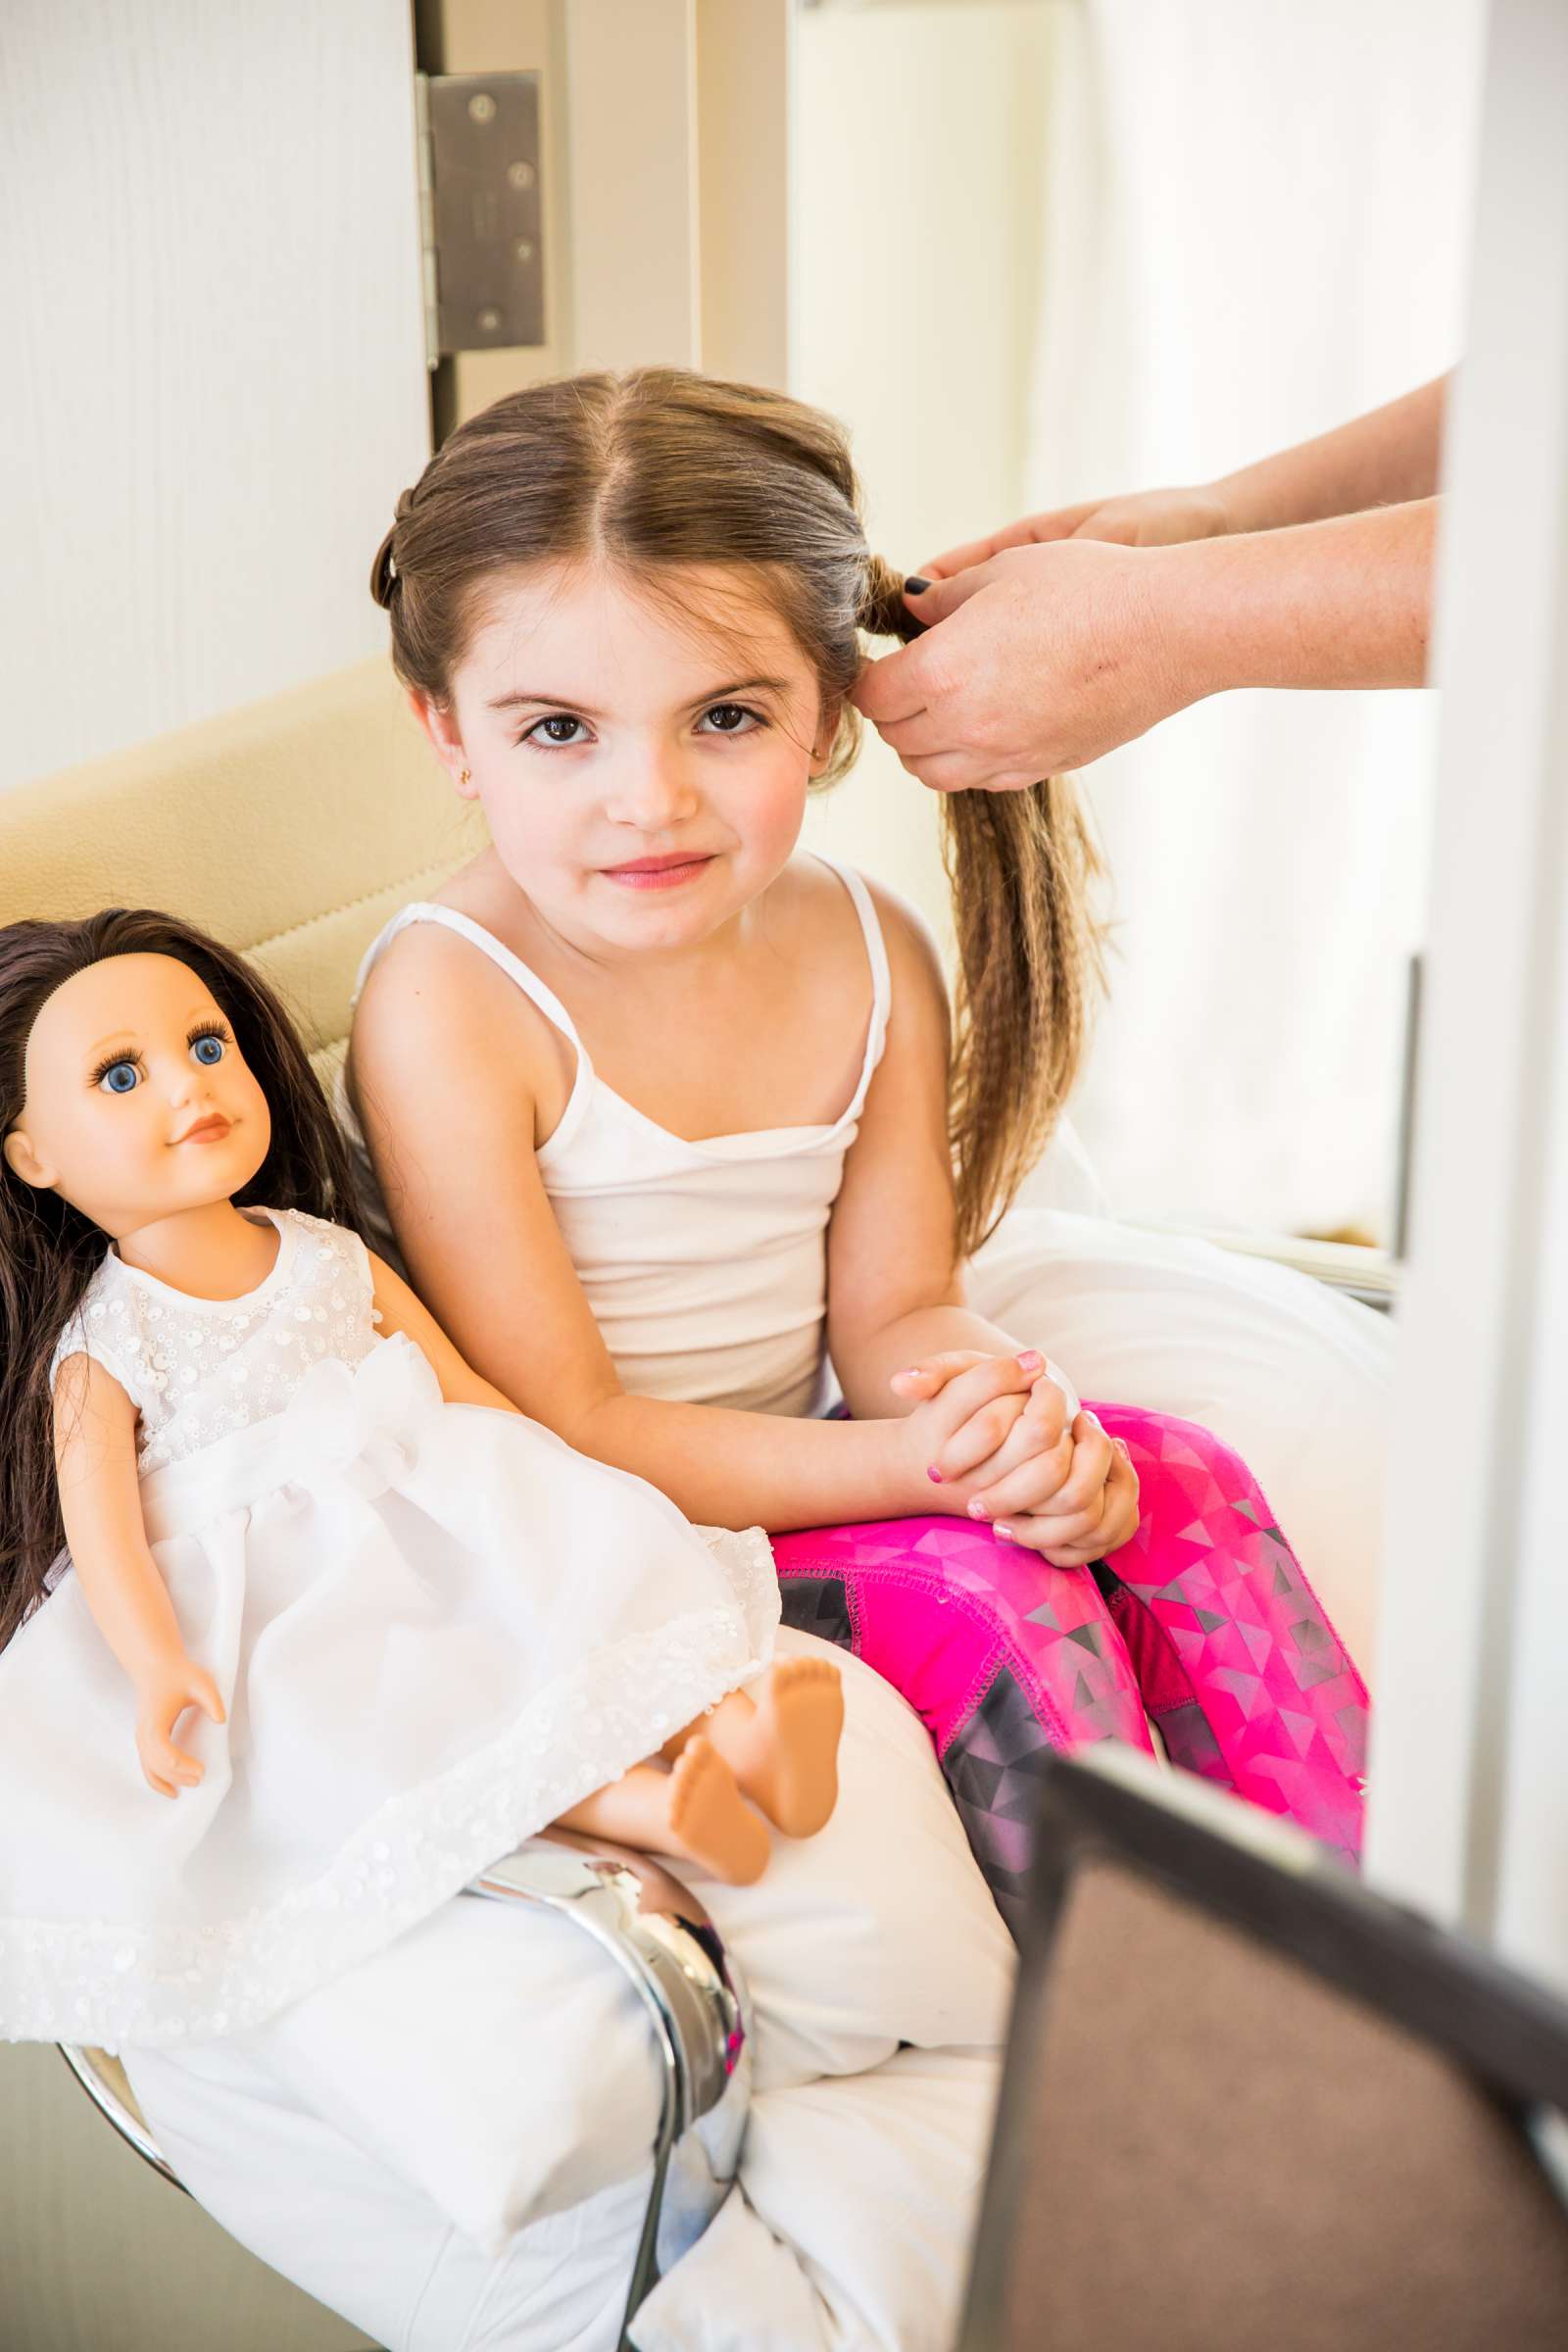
699	702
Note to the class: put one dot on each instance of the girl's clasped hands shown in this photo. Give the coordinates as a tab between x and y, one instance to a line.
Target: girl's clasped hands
1002	1448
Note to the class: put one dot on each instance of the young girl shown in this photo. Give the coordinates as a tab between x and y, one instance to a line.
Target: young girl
668	1129
419	1629
644	1065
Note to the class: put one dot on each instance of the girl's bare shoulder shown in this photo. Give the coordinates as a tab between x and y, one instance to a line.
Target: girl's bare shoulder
435	1001
914	955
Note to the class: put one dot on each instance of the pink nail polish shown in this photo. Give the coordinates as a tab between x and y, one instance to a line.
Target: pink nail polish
1031	1361
979	1509
934	1475
1003	1533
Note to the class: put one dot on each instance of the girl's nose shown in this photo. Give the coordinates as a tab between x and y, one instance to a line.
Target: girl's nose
651	792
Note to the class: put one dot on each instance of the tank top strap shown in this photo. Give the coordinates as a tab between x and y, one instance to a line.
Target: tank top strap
427	910
876	953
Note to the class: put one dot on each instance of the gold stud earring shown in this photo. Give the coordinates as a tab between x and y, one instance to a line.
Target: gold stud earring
464	777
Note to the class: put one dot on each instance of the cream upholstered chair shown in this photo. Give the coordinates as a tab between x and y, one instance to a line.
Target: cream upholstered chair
291	830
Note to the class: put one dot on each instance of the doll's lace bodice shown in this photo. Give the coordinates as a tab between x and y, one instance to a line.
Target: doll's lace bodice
198	1368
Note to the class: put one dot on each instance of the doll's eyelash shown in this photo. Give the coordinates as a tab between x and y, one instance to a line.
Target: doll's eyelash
110	1062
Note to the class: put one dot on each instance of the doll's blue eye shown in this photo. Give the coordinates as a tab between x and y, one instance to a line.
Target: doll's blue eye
120	1078
208	1049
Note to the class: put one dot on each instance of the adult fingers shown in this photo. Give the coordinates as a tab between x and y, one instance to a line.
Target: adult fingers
964	771
1027	531
895	687
917	736
938	600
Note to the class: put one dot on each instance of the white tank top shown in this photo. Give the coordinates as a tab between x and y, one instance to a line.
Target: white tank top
705	1263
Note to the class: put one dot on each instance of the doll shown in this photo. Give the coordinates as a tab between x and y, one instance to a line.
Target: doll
408	1627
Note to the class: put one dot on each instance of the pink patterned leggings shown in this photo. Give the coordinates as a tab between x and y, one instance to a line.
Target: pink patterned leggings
1202	1623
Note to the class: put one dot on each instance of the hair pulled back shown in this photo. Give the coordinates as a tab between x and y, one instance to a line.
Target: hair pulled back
661	468
49	1250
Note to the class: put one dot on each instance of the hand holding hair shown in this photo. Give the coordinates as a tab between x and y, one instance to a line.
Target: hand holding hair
1067	634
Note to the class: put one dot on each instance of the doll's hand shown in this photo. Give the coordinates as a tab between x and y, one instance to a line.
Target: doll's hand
162	1693
983	1415
1086	1516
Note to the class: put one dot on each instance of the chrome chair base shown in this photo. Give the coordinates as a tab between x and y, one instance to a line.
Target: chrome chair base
655	1929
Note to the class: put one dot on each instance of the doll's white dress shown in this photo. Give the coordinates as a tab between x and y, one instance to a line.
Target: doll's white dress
434	1628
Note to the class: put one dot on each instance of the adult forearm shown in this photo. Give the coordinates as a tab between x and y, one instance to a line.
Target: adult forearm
1387	457
1344	603
736	1469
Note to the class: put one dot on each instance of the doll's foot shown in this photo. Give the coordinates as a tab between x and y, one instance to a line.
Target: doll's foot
709	1820
792	1770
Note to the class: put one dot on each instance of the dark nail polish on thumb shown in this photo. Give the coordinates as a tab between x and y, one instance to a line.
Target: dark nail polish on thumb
915	585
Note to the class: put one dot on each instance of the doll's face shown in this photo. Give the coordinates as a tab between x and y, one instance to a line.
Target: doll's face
139	1103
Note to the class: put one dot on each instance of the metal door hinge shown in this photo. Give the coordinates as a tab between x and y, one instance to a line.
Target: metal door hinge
480	218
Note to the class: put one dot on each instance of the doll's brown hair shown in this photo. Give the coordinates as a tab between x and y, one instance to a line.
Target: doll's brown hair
663	468
49	1250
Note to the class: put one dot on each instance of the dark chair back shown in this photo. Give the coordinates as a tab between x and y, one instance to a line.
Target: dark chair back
1248	2104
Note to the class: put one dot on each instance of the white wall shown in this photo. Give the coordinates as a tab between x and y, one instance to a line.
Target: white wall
919	220
210	281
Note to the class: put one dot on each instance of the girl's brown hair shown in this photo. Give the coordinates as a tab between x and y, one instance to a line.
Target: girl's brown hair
663	468
49	1251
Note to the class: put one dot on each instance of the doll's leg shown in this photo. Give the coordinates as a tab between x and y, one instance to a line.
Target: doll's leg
780	1738
695	1812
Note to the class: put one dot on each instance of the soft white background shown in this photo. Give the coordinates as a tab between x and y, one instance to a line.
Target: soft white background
1068	247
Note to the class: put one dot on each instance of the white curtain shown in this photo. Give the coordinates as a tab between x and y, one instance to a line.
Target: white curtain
1256	230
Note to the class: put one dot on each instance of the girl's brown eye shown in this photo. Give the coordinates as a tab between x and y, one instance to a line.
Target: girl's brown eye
560	729
731	718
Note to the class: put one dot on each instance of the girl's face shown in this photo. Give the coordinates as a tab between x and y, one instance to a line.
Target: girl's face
643	782
139	1103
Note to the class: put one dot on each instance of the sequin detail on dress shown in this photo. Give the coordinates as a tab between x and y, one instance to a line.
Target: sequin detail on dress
197	1369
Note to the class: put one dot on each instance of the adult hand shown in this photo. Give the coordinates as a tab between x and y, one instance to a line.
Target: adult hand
1141	519
1038	660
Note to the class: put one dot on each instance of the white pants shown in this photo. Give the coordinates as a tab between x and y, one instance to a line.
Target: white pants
323	2140
851	2232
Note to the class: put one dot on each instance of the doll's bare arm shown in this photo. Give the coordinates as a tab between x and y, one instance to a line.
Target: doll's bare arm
100	1502
401	1310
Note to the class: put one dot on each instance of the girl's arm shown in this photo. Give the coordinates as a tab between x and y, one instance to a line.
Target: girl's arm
1044	1473
447	1069
100	1502
895	1288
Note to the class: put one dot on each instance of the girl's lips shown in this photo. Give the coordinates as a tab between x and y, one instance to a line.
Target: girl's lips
656	873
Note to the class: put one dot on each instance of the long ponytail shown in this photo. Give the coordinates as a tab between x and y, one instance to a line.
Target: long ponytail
1030	963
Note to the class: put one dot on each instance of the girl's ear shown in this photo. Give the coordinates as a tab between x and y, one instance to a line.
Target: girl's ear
827	735
445	741
24	1161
